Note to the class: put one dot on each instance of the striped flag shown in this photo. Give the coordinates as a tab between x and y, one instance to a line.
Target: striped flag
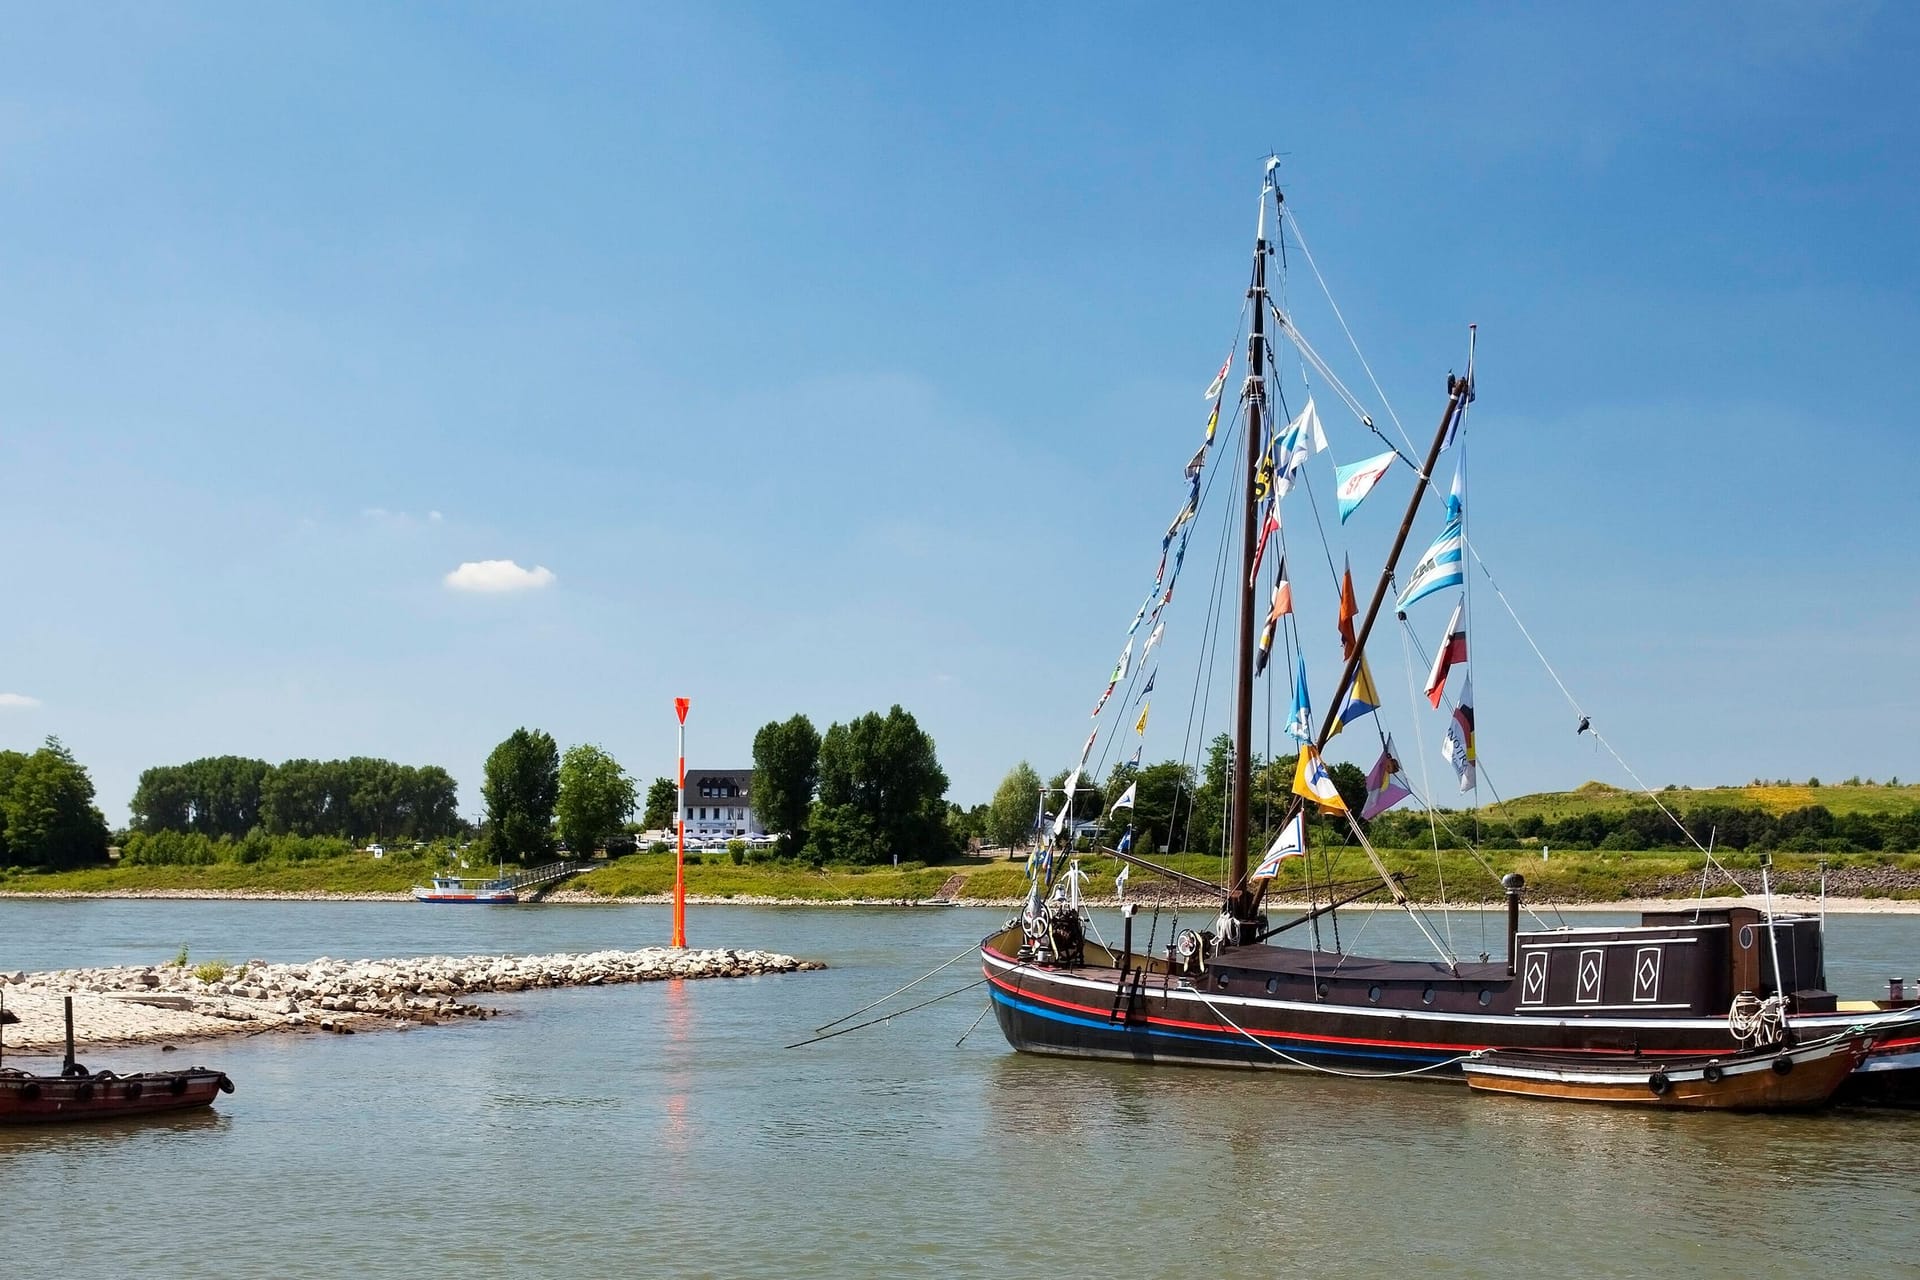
1453	650
1457	747
1311	779
1290	843
1300	723
1384	784
1363	700
1441	567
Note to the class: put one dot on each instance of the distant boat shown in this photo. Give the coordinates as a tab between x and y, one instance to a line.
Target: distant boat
1772	1078
75	1093
454	889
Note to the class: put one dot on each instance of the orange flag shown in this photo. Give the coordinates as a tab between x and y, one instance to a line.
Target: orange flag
1348	611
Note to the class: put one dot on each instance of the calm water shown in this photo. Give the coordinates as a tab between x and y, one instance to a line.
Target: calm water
662	1130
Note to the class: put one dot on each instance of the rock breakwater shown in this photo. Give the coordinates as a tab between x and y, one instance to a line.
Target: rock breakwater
135	1004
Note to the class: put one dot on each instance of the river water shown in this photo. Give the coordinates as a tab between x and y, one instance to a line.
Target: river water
662	1130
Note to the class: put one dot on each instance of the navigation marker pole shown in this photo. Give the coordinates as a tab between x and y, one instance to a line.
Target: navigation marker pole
680	706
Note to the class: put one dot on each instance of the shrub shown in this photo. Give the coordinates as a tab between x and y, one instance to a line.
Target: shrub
212	971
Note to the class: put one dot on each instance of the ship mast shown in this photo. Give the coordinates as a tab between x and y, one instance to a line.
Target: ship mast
1240	904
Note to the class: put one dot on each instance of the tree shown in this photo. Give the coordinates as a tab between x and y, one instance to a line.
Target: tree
50	817
596	797
521	788
662	798
1015	802
881	791
786	769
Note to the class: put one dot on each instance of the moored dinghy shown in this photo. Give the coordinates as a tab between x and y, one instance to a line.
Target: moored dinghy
76	1093
1771	1078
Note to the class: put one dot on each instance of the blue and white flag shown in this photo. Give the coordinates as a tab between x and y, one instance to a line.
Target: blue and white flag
1441	567
1290	843
1303	436
1356	480
1126	798
1300	723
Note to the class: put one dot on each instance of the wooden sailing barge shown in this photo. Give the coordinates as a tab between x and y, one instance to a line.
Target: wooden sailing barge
1679	986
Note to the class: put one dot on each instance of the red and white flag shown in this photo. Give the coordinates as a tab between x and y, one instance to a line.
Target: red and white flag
1453	649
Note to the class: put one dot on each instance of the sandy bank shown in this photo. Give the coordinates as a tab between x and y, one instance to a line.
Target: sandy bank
141	1005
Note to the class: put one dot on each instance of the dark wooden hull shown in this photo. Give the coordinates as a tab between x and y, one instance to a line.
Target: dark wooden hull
32	1099
1280	1009
1774	1079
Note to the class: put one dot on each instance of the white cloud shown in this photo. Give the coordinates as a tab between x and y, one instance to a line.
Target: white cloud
498	575
10	701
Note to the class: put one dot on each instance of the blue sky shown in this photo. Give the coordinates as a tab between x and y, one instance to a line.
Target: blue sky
826	357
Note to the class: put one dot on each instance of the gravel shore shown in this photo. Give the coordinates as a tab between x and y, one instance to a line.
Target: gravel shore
164	1003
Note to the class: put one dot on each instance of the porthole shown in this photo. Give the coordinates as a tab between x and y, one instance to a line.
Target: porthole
1746	937
1373	993
1273	985
1426	996
1322	989
1221	982
1486	997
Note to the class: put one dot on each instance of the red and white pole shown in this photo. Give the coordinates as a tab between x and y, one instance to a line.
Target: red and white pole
680	706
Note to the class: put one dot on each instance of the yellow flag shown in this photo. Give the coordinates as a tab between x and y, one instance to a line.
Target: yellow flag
1310	779
1213	420
1141	728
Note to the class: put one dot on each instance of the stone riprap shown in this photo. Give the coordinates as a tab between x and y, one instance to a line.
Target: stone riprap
143	1004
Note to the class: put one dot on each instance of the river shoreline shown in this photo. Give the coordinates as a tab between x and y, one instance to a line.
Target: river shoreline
123	1005
575	898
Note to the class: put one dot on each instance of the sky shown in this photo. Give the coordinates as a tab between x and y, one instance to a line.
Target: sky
376	379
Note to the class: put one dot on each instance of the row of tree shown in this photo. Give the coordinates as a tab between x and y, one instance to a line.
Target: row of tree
864	792
47	814
532	793
1812	829
357	799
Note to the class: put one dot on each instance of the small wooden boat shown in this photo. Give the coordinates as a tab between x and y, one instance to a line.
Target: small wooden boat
75	1093
1772	1078
454	889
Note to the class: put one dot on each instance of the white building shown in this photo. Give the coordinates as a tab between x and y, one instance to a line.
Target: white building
720	804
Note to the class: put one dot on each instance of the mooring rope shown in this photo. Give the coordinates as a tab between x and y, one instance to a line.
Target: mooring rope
1315	1066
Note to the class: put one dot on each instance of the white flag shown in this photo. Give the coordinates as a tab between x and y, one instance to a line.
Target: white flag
1290	843
1126	798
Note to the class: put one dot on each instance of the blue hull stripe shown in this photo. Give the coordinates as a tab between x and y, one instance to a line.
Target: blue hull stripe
1229	1039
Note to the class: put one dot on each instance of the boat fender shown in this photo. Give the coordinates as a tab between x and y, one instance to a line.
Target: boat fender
1783	1065
1713	1073
83	1090
30	1090
177	1086
226	1085
135	1088
1659	1083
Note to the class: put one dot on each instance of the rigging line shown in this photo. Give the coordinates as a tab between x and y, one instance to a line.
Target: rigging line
1321	1067
1575	703
1209	646
1361	355
887	1017
1309	356
1416	916
971	950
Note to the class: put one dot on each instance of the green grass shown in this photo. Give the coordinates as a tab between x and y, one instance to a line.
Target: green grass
1597	876
1598	797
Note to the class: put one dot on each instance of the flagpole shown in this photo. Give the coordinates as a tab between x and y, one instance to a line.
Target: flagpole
680	858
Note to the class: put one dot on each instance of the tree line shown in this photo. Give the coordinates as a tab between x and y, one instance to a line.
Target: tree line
226	797
47	814
1810	829
864	792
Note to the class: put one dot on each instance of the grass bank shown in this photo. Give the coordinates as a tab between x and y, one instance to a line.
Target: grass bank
1566	877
